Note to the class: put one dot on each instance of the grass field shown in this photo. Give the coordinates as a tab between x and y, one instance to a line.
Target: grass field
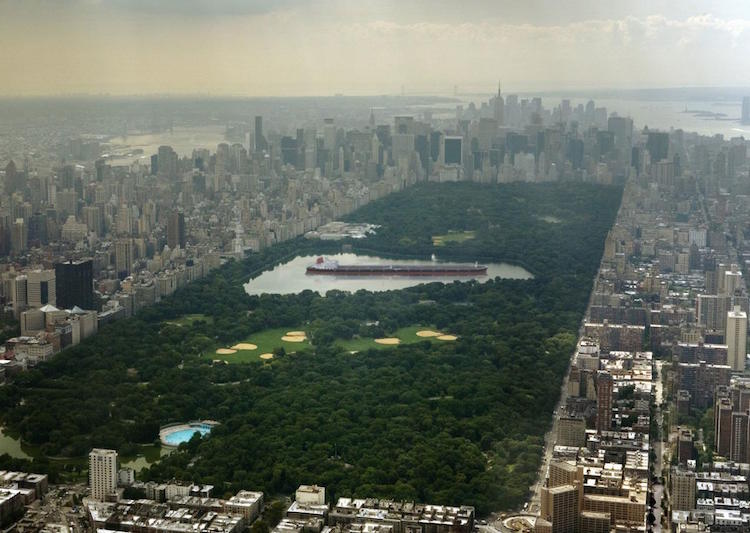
187	320
267	341
452	236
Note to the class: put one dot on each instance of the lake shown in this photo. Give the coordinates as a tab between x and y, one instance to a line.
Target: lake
291	278
11	446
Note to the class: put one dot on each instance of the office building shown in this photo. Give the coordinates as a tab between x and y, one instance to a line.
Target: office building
102	473
736	339
41	288
453	150
176	230
74	283
167	162
123	257
19	237
260	141
657	145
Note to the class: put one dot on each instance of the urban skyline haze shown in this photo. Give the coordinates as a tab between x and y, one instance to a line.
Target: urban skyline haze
321	47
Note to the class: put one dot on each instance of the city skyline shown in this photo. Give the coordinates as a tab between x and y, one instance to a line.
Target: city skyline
296	48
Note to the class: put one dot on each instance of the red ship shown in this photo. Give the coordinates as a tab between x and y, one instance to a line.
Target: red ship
329	267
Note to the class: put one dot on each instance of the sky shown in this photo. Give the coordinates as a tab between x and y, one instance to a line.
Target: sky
323	47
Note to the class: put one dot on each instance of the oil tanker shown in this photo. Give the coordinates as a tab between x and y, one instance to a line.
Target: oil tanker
330	267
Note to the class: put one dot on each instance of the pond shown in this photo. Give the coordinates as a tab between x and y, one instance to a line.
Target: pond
148	454
11	446
291	277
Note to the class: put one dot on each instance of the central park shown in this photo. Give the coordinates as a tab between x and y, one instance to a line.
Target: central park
452	409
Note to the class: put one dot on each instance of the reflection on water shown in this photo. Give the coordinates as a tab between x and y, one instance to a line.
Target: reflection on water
291	278
149	454
182	139
11	446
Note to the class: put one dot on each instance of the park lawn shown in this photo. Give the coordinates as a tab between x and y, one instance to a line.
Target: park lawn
408	335
453	236
187	320
267	341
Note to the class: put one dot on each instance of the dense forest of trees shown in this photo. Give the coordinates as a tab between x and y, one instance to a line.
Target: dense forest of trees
450	423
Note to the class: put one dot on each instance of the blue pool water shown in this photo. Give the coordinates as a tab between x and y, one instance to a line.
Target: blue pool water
184	435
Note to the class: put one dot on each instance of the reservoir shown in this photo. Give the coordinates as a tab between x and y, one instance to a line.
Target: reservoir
291	278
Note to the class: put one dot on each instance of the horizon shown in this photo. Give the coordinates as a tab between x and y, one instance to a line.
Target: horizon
319	47
741	89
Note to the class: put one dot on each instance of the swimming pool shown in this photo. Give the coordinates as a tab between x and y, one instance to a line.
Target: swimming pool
174	436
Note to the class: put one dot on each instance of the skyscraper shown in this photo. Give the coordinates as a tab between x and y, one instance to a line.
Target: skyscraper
604	384
19	237
260	141
176	230
102	473
75	284
657	145
498	108
167	162
123	257
736	338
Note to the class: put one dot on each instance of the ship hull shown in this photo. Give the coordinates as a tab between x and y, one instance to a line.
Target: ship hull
389	270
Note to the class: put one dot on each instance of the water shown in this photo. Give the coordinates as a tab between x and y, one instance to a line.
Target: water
667	114
291	278
182	139
183	435
11	446
149	454
656	113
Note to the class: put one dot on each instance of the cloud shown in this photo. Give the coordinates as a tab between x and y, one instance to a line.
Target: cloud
327	46
203	8
181	8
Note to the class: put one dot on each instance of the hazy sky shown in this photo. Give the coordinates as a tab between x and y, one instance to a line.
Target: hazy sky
319	47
